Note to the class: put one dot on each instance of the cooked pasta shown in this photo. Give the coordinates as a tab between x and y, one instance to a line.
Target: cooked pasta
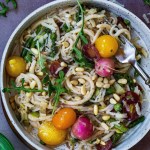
60	51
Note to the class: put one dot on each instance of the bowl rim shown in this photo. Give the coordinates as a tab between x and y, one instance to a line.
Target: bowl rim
25	20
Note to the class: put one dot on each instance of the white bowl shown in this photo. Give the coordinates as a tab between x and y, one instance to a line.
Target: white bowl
135	134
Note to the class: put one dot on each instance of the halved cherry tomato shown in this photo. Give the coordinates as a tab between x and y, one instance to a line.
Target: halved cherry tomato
50	135
64	118
53	68
90	52
107	46
15	65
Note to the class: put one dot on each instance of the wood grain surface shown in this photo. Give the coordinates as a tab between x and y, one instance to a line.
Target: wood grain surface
7	25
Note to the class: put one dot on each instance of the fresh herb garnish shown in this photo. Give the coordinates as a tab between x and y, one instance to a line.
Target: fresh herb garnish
41	59
53	38
21	88
4	9
25	53
28	57
78	14
136	122
13	2
65	28
58	89
79	57
46	80
147	2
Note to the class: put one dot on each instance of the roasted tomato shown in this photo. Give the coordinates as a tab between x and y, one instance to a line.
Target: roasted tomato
50	135
107	146
53	68
107	46
64	118
90	52
15	65
129	100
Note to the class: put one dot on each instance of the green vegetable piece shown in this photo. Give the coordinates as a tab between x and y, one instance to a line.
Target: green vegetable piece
118	107
147	2
41	59
35	114
136	122
25	53
13	2
115	138
127	22
78	15
132	85
110	90
42	142
4	9
53	38
122	128
83	38
45	79
79	57
21	88
6	90
97	92
58	89
65	28
119	89
111	120
28	57
38	29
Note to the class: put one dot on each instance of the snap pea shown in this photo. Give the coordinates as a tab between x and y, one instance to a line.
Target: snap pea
136	122
122	128
115	138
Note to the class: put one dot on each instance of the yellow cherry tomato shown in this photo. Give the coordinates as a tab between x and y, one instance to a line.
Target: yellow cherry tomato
15	65
50	135
64	118
107	46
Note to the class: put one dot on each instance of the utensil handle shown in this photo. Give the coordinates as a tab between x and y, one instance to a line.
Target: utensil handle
142	72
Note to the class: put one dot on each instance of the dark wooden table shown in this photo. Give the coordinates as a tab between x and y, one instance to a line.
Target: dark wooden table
7	25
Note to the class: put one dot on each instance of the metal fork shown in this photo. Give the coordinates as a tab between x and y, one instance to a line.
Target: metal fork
127	55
